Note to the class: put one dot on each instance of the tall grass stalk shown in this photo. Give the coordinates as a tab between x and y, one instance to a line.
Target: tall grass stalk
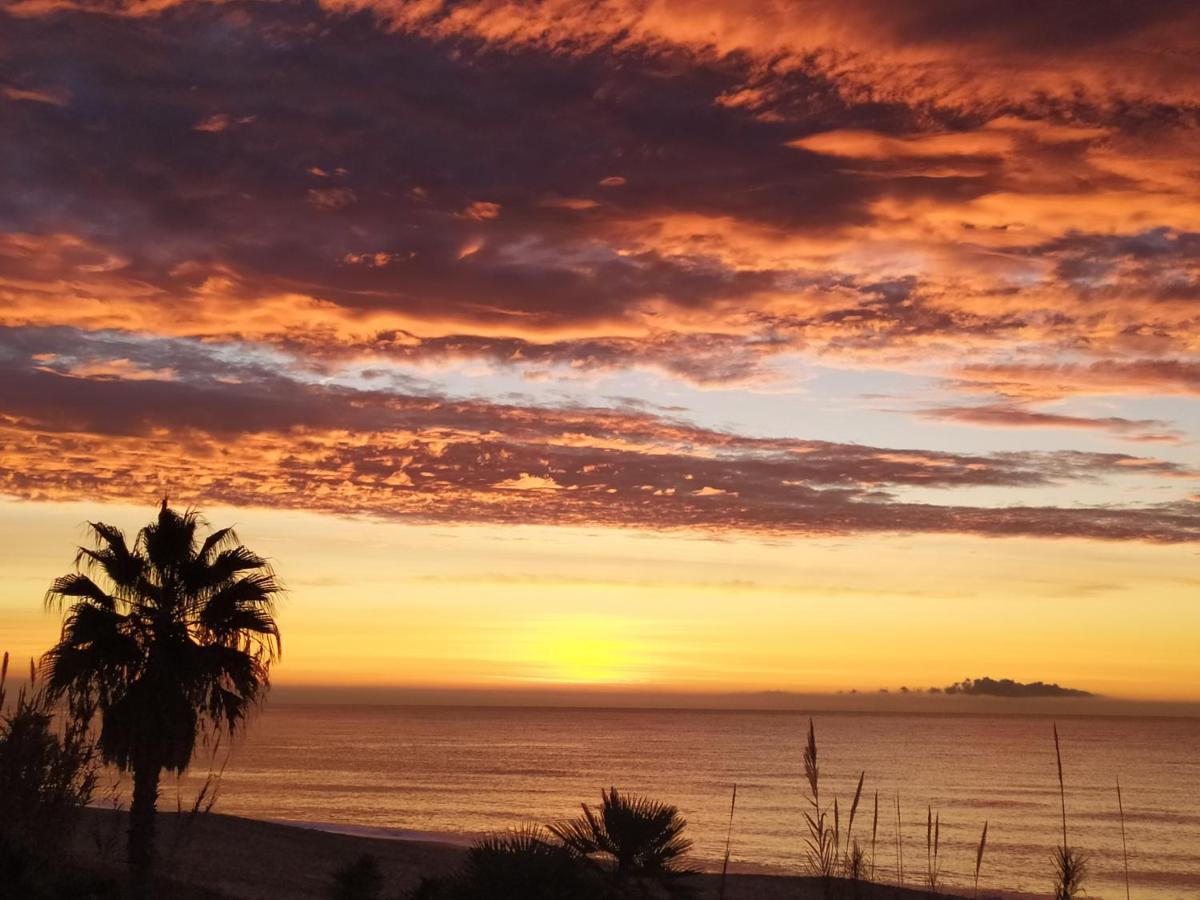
820	852
1124	846
1070	866
837	833
850	823
929	846
979	857
874	833
933	835
1062	790
728	841
899	846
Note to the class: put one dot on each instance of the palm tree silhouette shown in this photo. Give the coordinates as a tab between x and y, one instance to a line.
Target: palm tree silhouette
529	864
173	639
639	841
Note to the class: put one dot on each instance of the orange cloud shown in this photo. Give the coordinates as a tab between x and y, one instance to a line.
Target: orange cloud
1010	415
724	194
482	210
33	96
265	441
1099	378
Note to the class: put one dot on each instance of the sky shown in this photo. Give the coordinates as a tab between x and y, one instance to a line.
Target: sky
694	346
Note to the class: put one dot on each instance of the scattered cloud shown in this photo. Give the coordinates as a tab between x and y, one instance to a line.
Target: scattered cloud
72	427
1008	415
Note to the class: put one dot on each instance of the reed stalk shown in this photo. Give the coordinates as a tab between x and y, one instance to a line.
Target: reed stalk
874	833
1124	845
933	837
1062	790
1071	867
979	857
850	823
821	839
728	840
929	847
837	833
937	842
899	846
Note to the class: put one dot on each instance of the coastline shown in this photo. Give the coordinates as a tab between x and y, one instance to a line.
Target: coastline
270	860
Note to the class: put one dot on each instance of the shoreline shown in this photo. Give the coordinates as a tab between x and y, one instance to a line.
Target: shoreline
376	832
272	860
849	704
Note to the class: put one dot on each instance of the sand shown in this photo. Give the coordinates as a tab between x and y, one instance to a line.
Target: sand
268	861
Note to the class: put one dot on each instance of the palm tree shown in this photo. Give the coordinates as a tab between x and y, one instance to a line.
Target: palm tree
529	864
171	640
637	840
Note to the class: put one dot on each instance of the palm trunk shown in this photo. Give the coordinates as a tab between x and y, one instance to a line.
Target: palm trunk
141	828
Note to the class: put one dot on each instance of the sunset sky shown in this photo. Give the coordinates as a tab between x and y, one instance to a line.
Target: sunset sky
694	346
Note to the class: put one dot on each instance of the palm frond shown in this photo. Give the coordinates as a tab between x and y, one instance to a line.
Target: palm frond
215	542
111	554
257	591
636	836
94	654
226	565
579	834
80	586
170	540
527	863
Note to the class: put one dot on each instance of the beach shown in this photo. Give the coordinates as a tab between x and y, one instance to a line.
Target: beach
222	857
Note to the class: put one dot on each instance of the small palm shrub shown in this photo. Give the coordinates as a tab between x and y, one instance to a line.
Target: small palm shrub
359	880
528	863
636	842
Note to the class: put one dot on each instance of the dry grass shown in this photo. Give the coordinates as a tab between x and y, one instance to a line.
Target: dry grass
820	848
1124	844
979	856
933	840
874	834
1070	865
728	842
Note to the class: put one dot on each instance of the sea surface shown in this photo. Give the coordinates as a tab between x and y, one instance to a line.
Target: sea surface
459	772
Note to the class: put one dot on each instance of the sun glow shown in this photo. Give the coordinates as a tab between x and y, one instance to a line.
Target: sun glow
583	649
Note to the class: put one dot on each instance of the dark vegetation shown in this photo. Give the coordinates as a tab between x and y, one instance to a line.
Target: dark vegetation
47	774
167	640
628	847
1006	687
359	880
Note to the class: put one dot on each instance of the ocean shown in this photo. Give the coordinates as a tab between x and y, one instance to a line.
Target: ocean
457	772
